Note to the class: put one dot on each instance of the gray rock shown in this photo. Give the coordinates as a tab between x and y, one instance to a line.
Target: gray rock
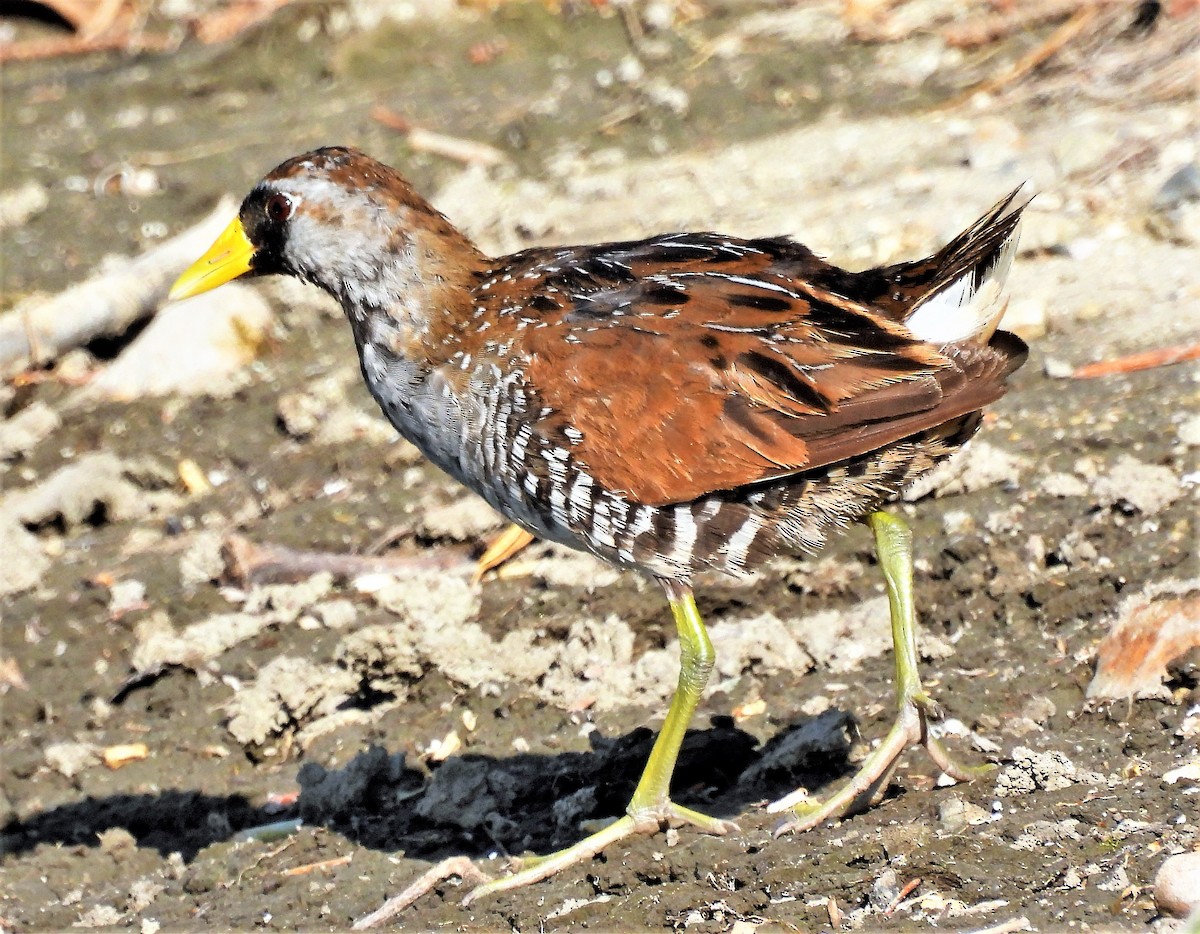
955	814
1177	885
1182	186
1035	771
326	794
1145	488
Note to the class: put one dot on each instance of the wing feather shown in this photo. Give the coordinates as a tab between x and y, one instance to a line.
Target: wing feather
690	365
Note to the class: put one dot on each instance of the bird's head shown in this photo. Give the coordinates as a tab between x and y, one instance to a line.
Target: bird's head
341	220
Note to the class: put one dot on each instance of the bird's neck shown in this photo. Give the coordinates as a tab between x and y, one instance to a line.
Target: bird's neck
409	302
407	318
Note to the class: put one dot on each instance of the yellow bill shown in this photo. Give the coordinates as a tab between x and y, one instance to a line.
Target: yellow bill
230	256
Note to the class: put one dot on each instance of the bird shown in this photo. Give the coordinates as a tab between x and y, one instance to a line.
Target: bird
682	403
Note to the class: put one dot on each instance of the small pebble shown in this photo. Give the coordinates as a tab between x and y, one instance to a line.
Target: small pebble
1057	369
1181	187
117	841
958	522
18	205
1189	432
335	614
69	759
1177	885
1062	485
126	596
955	814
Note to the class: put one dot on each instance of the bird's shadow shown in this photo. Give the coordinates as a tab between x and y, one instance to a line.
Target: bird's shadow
472	805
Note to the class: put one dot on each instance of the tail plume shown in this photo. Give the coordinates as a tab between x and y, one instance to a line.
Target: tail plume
962	296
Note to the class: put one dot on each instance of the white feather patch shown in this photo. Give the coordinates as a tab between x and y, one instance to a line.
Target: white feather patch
958	312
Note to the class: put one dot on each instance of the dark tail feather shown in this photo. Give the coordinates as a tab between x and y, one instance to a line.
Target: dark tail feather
958	293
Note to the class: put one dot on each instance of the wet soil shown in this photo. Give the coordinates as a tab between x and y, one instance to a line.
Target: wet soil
1016	581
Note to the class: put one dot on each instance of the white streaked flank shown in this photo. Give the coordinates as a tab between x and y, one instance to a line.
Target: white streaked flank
738	546
685	535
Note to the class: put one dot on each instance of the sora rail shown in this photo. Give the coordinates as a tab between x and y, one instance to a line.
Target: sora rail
687	402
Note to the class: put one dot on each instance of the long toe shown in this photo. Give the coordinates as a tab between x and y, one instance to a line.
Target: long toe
865	789
868	784
642	821
649	820
952	767
459	866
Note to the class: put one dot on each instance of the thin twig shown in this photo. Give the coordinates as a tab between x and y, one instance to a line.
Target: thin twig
248	562
30	50
984	30
1028	62
835	914
225	25
900	896
1132	363
270	854
469	151
321	864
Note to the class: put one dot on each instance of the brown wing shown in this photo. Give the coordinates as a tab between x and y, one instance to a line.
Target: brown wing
683	365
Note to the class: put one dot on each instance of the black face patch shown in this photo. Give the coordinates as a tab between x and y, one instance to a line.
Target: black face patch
267	236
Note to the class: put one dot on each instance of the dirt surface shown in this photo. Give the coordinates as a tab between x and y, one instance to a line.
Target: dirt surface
404	718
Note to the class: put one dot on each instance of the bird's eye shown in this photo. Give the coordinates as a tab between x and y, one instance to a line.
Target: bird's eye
279	208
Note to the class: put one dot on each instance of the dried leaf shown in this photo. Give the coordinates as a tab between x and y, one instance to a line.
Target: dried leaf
1151	630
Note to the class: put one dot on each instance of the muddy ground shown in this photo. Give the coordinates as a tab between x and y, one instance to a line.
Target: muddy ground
420	715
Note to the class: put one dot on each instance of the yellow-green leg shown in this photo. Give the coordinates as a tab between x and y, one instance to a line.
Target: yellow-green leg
893	545
651	808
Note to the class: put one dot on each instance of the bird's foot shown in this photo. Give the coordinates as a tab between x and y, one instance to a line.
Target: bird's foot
643	820
867	786
459	866
503	547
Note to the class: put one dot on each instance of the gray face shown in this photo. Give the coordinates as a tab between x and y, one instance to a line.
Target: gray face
346	241
346	225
